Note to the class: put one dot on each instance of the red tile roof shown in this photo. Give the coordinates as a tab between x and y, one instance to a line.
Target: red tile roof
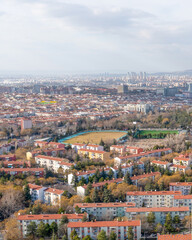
175	237
104	224
158	209
180	184
183	197
55	191
155	193
49	216
104	205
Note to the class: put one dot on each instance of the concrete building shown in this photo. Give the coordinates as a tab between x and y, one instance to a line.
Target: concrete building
105	211
174	237
184	187
53	196
153	199
122	89
25	220
183	200
159	212
53	163
92	229
37	192
139	107
26	124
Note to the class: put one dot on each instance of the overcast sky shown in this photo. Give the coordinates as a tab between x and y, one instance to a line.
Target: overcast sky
95	35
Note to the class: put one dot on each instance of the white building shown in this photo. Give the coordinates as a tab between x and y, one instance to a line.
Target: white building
162	164
105	211
159	212
25	220
92	229
184	187
37	192
53	163
53	196
26	124
183	201
153	198
185	161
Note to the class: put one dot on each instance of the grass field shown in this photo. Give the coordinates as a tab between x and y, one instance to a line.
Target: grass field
156	133
95	137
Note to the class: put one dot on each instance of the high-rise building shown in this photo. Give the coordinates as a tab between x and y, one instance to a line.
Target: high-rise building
26	124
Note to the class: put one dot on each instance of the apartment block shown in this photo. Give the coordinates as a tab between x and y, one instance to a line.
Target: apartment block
92	229
153	198
105	211
184	187
159	212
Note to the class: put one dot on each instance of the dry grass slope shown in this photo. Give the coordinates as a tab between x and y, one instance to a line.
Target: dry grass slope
95	137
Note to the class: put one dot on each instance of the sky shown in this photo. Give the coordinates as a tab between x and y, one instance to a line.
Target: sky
95	36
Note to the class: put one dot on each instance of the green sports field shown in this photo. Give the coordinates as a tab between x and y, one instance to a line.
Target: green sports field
155	133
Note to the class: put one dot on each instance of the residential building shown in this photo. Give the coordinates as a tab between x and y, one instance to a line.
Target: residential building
105	211
26	124
159	212
182	160
25	220
37	192
184	187
94	154
152	198
53	196
92	229
174	237
162	164
183	200
53	163
38	172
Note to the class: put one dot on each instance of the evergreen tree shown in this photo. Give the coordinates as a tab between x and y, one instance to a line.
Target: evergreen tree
47	230
95	197
176	220
102	143
27	195
41	230
127	178
102	235
64	237
169	223
31	229
110	174
54	227
162	186
87	238
97	175
107	196
77	209
74	180
84	219
130	233
151	218
119	172
88	189
113	236
103	174
74	235
64	219
54	236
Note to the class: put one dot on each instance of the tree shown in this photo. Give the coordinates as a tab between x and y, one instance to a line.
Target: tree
119	172
158	228
113	236
74	180
110	174
64	237
47	230
107	196
74	235
54	236
12	231
88	189
95	197
77	209
87	238
64	220
41	230
130	233
169	223
31	229
102	143
127	178
54	227
84	218
102	235
151	218
27	195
